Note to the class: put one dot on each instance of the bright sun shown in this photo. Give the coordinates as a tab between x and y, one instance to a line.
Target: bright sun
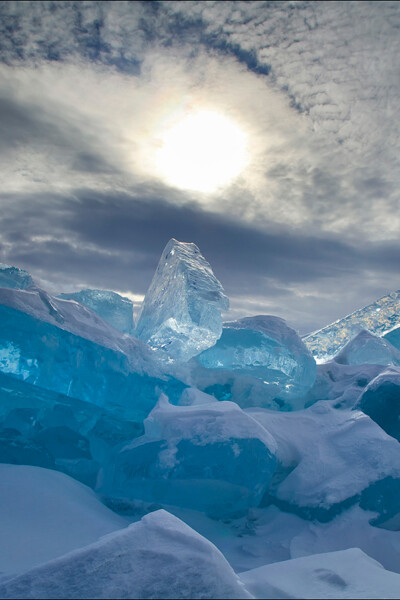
202	152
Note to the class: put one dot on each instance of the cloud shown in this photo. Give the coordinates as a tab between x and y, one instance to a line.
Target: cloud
309	231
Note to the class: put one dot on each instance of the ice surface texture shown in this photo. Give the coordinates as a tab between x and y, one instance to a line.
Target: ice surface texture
110	306
197	457
345	574
13	277
260	348
158	557
181	312
378	318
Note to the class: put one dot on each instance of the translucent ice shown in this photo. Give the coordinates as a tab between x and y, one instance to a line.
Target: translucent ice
381	401
113	308
195	457
367	348
379	317
47	429
157	557
47	355
13	277
181	313
262	348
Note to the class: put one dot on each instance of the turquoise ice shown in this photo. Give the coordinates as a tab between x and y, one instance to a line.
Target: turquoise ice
381	401
195	457
113	308
259	359
181	312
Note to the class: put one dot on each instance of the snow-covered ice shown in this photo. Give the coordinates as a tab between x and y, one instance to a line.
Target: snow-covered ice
343	574
158	557
195	457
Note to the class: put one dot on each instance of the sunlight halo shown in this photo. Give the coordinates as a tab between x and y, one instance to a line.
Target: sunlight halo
202	152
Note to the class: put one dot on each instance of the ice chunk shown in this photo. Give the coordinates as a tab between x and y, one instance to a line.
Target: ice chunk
329	460
341	383
110	306
381	401
378	318
181	312
15	278
345	574
46	355
47	429
367	348
158	557
210	457
44	514
266	349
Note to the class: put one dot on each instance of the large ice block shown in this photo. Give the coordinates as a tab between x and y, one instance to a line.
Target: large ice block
381	401
329	460
157	557
47	429
110	306
47	355
367	348
210	457
260	348
379	317
181	312
15	278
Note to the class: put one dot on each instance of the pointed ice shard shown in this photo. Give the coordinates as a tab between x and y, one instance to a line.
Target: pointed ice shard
378	318
181	313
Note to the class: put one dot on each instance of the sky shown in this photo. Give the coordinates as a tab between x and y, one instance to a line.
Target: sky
283	122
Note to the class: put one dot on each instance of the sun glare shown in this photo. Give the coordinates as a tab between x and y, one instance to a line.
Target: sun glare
202	152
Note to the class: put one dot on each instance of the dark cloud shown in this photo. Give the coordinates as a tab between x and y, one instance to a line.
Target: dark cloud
114	241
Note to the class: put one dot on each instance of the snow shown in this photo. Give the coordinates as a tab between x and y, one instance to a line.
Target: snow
44	514
344	574
196	457
328	456
158	557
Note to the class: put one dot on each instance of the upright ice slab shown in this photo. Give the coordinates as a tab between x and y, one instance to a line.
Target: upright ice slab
195	457
379	317
181	313
15	278
260	348
110	306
